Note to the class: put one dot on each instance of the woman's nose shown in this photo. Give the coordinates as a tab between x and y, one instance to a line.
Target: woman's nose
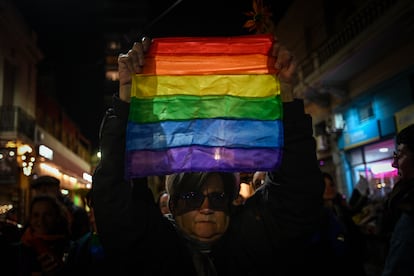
205	206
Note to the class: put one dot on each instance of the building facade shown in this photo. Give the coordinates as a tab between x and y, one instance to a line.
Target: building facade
356	74
36	136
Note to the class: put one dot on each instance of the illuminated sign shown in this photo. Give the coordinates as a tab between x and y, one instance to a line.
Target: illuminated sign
46	152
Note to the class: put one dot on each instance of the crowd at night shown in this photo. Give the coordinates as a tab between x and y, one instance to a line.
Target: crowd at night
181	137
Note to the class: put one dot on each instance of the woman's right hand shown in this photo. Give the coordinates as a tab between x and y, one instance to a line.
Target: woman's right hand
286	65
129	64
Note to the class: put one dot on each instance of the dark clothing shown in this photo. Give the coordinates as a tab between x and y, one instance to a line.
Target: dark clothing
86	256
399	260
79	219
271	234
23	259
357	202
352	248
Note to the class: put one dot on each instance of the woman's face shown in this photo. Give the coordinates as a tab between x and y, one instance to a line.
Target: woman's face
330	189
43	218
404	162
210	220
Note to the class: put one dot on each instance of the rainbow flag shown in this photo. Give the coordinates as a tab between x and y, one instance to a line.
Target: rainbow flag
205	104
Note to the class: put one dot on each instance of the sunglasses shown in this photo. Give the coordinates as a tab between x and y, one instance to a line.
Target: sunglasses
189	201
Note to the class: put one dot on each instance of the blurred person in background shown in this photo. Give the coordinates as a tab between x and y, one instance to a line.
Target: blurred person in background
340	217
79	218
249	183
359	196
86	255
331	196
45	243
246	189
399	209
258	180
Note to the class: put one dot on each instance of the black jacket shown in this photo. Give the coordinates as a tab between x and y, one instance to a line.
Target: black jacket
400	209
271	234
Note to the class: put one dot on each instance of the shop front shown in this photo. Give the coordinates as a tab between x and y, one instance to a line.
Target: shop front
367	143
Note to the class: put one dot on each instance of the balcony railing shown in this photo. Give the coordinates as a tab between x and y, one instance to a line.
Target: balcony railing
359	22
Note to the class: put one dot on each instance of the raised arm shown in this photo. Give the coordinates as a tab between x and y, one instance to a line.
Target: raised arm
131	63
123	209
295	189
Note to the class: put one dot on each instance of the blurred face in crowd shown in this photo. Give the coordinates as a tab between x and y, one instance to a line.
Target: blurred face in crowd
204	215
46	190
404	162
258	179
43	217
330	189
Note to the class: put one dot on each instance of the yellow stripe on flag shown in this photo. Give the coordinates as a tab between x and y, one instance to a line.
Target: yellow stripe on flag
233	85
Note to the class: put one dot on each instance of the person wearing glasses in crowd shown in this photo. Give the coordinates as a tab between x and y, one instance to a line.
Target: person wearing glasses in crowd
400	208
273	233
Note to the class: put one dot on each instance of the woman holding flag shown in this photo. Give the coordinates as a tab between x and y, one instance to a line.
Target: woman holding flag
276	232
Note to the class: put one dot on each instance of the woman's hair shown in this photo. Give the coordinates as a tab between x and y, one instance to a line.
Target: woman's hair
406	137
61	213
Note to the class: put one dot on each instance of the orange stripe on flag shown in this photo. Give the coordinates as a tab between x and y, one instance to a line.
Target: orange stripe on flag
209	64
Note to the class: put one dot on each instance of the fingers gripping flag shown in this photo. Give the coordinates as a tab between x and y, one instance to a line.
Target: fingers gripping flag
205	104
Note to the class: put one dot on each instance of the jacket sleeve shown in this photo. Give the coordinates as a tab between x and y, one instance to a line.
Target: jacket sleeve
293	192
131	228
123	210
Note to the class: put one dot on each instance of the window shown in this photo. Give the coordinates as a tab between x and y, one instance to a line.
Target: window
365	112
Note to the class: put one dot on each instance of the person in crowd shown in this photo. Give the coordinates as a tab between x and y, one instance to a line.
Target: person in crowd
45	243
272	233
400	209
239	200
258	179
346	231
79	219
360	196
86	255
249	183
332	198
245	190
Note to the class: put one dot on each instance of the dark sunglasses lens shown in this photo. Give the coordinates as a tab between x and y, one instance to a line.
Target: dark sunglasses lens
193	200
217	201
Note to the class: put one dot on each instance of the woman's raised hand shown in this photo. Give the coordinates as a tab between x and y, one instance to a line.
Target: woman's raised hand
131	63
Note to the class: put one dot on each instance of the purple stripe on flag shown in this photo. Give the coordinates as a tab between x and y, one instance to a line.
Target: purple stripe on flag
197	158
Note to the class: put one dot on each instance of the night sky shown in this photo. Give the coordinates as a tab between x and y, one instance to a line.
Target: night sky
71	37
